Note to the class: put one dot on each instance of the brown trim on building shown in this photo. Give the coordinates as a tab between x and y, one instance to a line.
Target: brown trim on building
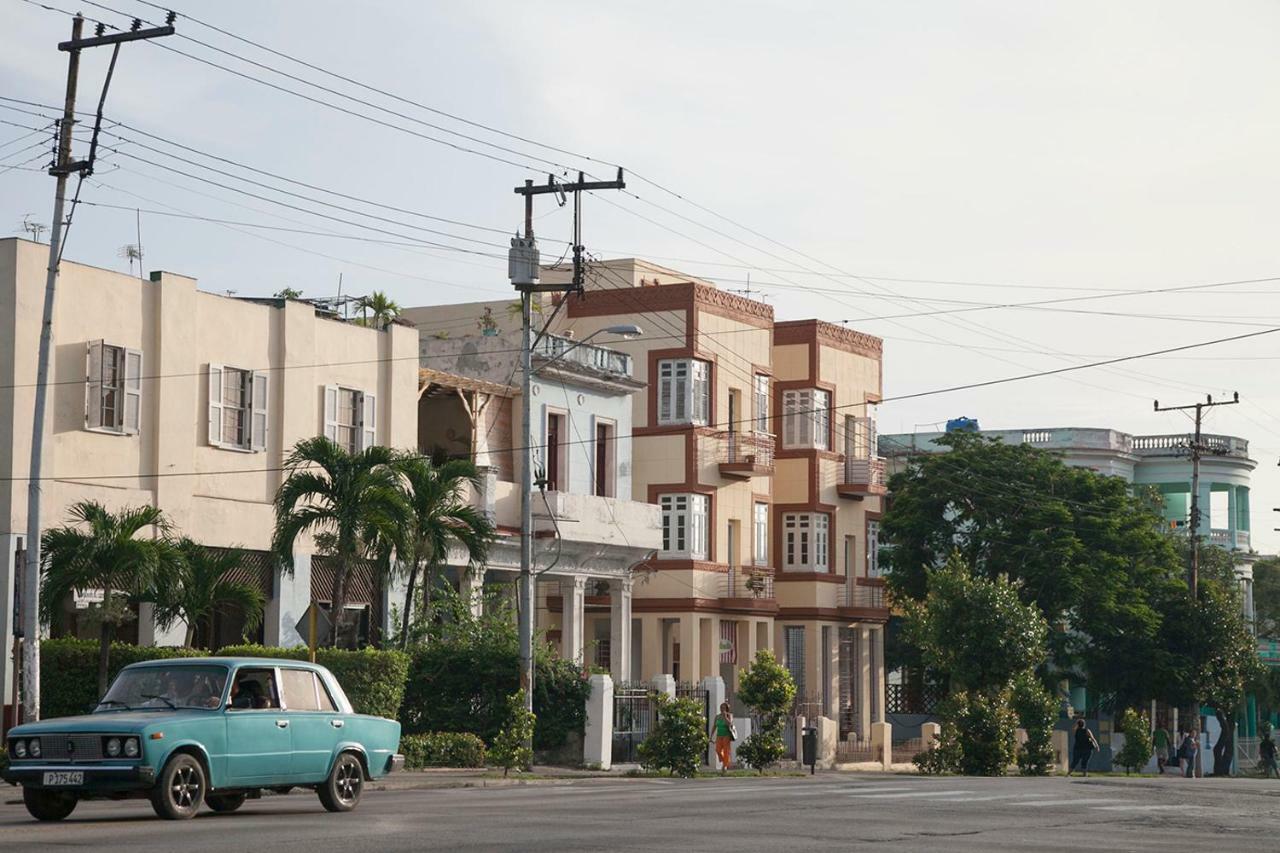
758	607
672	297
807	577
829	335
833	614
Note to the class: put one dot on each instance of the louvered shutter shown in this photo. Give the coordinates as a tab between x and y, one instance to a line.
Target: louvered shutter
93	385
331	412
132	413
258	397
790	400
368	421
215	404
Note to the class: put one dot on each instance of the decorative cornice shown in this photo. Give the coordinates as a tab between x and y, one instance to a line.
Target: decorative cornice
603	301
828	334
732	305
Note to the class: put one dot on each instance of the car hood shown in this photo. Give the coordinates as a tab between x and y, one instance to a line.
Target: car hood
108	721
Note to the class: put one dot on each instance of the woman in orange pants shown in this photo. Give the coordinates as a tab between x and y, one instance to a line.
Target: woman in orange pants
725	736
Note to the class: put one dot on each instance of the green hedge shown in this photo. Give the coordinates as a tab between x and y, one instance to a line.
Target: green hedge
69	672
463	687
442	749
373	679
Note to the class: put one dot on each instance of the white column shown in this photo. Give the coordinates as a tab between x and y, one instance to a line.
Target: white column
290	598
392	596
472	587
714	685
877	667
620	628
862	673
597	745
665	684
151	634
572	613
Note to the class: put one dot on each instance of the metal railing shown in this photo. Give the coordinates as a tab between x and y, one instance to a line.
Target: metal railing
748	582
747	448
864	472
859	595
584	355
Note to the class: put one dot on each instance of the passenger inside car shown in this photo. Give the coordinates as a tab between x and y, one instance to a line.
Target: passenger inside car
254	689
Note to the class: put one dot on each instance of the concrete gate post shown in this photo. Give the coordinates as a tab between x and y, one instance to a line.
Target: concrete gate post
930	734
1061	750
714	685
664	684
882	744
597	741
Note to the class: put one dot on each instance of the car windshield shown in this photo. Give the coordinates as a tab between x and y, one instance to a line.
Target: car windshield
165	687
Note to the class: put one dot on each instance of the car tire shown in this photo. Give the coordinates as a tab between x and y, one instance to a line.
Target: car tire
44	804
341	791
224	803
181	788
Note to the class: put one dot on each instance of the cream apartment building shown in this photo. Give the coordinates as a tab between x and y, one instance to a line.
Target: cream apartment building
167	395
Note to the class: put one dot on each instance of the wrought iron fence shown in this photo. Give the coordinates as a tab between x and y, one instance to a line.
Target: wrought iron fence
912	698
860	595
853	749
905	750
864	472
633	713
748	582
747	448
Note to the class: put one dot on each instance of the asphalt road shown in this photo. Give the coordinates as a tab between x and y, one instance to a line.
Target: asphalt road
830	812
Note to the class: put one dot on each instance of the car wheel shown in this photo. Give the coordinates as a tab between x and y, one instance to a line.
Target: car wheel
224	802
181	788
341	791
44	804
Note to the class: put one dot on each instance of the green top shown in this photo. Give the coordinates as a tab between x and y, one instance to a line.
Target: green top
722	727
1161	739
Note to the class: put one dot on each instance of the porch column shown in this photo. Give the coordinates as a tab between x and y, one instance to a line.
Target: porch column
290	598
472	589
689	636
862	675
877	674
620	629
392	594
151	634
574	592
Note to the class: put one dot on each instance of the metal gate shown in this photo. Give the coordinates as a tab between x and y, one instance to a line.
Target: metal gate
632	720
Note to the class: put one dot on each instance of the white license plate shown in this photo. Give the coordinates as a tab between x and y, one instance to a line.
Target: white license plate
60	777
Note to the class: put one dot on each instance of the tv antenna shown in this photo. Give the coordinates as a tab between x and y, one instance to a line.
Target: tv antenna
35	229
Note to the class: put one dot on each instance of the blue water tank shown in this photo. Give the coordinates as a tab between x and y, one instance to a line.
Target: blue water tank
962	424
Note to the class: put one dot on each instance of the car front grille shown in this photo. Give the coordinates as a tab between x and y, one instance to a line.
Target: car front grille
58	747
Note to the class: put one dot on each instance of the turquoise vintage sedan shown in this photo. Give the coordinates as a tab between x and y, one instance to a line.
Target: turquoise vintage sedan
205	730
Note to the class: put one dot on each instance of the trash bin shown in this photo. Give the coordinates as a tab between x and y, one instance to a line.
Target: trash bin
809	742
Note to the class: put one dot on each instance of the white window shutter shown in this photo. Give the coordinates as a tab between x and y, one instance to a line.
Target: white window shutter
215	405
789	417
702	393
132	414
331	412
368	421
666	388
258	411
680	393
93	385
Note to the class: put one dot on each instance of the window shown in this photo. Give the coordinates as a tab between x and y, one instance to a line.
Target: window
604	461
805	541
684	525
684	391
254	689
303	691
806	418
761	524
237	408
556	456
113	388
794	639
762	403
873	549
350	418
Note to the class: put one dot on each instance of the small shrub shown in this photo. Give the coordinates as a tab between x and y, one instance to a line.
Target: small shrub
442	749
373	679
509	748
1136	751
762	749
938	759
982	728
1037	711
69	672
768	689
678	739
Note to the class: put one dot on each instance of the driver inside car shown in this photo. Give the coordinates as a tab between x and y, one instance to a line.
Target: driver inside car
248	693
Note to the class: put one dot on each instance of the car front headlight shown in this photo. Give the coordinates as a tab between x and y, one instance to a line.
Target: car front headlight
20	748
33	747
113	746
131	747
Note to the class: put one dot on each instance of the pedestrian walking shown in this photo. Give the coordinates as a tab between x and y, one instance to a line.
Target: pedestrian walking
725	734
1085	744
1160	740
1267	755
1187	752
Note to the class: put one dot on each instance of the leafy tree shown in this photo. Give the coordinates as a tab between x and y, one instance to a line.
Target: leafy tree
979	731
104	552
1136	751
768	689
288	293
510	748
1266	596
1089	554
439	517
678	739
351	503
1037	711
378	310
201	585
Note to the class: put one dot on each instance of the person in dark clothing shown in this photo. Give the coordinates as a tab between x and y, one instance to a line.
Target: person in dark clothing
1267	755
1187	752
1083	747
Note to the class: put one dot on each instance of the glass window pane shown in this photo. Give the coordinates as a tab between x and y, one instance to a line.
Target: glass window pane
300	690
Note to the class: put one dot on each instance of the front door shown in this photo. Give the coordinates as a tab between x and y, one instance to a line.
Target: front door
259	741
316	725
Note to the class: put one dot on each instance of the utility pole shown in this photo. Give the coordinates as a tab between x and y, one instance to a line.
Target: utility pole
61	170
1193	563
525	272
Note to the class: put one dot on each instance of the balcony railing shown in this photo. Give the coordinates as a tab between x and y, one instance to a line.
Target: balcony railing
863	596
862	477
751	582
746	454
1226	539
585	355
1179	444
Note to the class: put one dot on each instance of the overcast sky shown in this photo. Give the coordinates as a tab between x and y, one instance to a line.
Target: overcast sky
914	152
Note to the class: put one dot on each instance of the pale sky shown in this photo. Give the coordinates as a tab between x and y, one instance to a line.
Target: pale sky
908	149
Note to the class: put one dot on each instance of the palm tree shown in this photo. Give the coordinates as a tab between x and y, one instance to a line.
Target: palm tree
383	308
105	556
201	587
440	517
350	502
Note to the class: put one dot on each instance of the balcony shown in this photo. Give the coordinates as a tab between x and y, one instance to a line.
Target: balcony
1239	540
590	356
862	597
862	477
749	588
744	455
1179	444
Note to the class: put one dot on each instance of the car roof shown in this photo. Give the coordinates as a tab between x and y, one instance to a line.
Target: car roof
227	662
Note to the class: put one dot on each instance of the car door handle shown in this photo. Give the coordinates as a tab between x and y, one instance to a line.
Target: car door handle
282	724
337	724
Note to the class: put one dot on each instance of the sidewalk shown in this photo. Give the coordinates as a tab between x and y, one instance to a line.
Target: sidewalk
436	778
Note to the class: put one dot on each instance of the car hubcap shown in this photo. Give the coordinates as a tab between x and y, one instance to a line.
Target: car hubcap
348	781
184	788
